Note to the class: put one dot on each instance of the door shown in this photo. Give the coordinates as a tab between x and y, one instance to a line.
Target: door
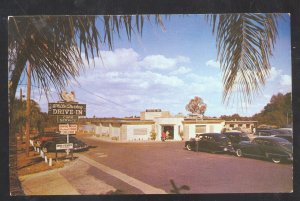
169	130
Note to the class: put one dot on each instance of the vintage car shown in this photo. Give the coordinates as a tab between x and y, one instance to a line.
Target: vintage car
50	145
236	137
39	139
267	147
212	142
288	137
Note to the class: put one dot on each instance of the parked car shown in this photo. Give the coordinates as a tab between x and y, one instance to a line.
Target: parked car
39	139
50	145
212	142
288	137
236	137
266	132
274	148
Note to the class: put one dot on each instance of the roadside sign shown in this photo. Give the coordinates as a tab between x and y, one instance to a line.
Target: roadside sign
67	132
68	109
67	128
64	146
67	119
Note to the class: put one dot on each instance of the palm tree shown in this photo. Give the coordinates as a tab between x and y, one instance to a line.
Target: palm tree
244	43
53	46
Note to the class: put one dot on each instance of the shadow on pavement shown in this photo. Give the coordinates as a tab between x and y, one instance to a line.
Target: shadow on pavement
176	189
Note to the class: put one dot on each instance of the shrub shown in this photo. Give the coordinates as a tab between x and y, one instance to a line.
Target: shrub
153	135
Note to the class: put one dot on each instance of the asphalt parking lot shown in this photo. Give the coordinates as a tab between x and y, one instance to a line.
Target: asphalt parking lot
170	167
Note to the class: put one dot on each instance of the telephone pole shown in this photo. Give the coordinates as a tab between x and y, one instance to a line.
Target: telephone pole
21	100
28	108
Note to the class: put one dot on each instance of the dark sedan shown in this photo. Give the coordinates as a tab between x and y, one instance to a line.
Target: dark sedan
285	136
212	142
50	146
274	148
236	137
39	139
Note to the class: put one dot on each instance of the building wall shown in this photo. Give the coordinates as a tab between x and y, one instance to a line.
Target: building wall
138	132
245	126
192	129
175	122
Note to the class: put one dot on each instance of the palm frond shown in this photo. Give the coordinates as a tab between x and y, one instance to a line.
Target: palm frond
244	43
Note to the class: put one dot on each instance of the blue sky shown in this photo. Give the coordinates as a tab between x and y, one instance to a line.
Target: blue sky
166	67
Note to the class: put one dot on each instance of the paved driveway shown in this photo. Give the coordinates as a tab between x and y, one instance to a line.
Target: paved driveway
170	167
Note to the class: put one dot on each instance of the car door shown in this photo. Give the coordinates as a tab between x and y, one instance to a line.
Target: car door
202	143
271	147
253	148
211	144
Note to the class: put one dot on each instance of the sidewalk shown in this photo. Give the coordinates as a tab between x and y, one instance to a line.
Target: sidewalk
84	176
69	180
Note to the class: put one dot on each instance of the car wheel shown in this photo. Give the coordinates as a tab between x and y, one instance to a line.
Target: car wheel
239	152
188	147
276	160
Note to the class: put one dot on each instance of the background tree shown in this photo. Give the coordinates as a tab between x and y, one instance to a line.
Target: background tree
278	112
196	106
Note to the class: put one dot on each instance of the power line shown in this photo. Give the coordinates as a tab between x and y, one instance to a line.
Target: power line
50	91
102	97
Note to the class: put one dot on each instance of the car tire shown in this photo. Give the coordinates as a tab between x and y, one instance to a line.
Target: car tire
239	152
188	147
276	160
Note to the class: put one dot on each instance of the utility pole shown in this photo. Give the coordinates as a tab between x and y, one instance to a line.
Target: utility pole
21	130
28	108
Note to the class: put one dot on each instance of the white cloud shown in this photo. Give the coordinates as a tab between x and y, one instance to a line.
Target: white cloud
285	80
274	73
181	70
213	63
161	62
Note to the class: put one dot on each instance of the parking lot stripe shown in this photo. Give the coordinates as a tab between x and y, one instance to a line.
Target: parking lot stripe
146	188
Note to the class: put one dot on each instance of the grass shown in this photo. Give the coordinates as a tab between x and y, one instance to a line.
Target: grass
34	163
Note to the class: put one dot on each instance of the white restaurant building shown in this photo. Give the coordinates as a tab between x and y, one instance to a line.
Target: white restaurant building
150	121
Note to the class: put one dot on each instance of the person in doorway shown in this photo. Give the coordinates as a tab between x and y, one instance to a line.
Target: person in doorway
167	134
163	136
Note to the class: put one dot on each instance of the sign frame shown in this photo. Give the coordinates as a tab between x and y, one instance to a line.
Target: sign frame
66	109
67	119
64	146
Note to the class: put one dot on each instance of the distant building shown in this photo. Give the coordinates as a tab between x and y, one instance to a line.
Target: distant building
245	126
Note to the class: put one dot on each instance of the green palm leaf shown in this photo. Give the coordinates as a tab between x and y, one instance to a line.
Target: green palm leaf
244	44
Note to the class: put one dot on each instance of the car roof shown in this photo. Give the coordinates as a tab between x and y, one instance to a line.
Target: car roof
278	139
236	133
210	134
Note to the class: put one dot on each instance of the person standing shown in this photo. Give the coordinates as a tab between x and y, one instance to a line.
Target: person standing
167	134
163	136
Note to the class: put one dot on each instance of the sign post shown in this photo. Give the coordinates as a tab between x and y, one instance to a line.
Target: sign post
67	113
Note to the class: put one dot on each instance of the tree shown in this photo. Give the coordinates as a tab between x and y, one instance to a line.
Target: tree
53	45
244	43
278	112
196	106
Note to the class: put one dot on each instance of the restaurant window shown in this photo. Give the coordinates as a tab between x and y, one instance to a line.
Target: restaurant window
200	129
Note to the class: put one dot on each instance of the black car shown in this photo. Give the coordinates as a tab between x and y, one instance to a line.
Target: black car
212	142
266	132
274	148
285	136
50	145
236	137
